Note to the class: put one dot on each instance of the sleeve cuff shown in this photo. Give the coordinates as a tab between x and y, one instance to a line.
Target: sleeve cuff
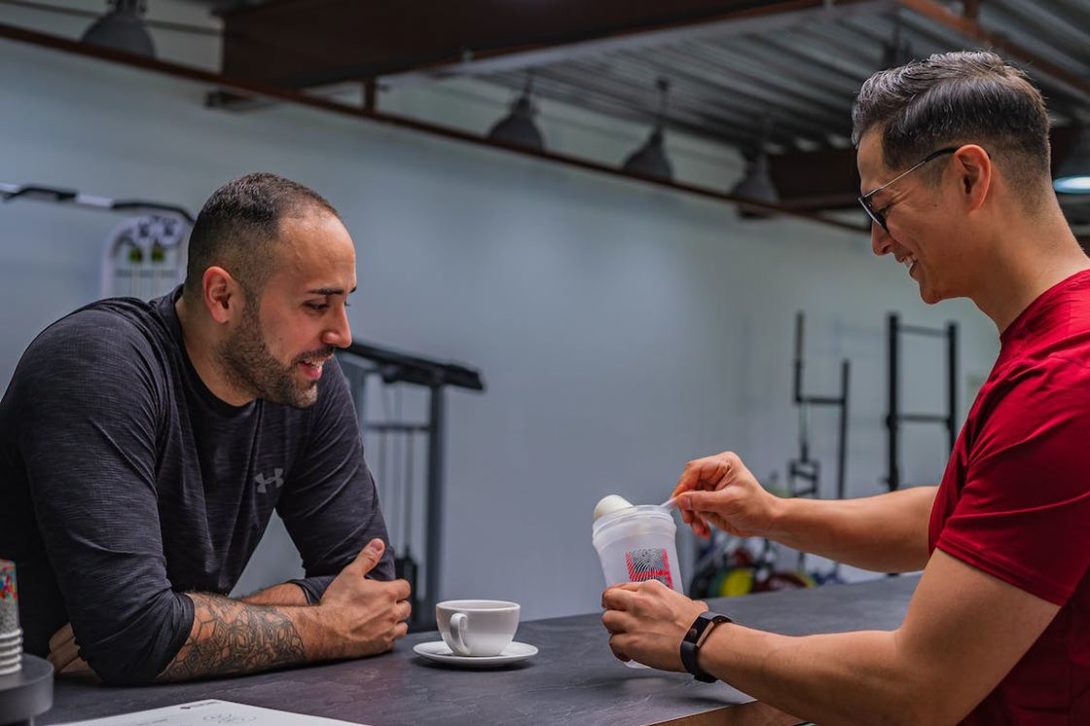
314	587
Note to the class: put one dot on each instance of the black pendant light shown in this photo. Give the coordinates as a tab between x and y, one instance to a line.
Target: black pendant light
518	127
122	28
650	159
757	184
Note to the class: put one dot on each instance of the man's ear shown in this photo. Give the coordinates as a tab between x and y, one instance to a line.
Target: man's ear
221	294
974	169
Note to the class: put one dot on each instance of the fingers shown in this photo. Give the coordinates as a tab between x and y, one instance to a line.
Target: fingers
699	501
618	597
63	655
710	473
403	610
696	520
689	478
615	621
77	666
62	648
61	635
401	589
698	473
368	557
616	645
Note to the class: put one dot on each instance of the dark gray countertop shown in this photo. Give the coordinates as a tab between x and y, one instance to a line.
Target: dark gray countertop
573	679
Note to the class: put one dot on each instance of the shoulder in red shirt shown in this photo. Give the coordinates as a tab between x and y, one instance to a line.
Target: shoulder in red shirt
1015	499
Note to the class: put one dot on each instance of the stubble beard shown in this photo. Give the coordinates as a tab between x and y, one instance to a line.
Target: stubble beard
249	366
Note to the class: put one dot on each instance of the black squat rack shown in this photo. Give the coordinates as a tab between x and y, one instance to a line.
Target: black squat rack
385	425
895	416
804	469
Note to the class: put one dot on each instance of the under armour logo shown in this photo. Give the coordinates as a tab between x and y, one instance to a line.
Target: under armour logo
277	479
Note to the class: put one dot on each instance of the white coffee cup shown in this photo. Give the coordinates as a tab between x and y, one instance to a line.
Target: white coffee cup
477	627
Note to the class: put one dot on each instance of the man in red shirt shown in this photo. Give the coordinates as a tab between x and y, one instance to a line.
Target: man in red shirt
953	156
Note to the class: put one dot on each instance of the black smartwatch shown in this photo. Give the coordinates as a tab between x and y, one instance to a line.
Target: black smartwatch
695	636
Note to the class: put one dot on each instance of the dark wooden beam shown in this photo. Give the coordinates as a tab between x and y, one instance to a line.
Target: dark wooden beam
303	43
809	180
812	181
970	28
250	89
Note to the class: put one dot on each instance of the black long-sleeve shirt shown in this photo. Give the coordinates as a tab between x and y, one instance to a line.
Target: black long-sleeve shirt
125	482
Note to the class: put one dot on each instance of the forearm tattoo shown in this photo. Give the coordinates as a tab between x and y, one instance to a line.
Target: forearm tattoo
232	637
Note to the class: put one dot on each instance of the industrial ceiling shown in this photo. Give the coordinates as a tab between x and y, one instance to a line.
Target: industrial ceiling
778	76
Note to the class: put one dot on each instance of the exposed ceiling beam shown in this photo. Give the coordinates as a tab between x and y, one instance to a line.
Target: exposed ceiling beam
773	17
828	179
970	28
303	43
263	90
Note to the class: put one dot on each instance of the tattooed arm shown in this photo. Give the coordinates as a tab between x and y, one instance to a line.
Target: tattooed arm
356	617
231	637
286	593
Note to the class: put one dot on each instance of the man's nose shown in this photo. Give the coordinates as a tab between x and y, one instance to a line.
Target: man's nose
880	241
339	333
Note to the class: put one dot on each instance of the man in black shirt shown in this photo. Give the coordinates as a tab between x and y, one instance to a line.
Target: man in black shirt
144	447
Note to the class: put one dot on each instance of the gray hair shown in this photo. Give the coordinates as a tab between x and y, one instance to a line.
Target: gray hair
950	98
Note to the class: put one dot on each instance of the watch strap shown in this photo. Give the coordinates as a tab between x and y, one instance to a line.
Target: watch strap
694	637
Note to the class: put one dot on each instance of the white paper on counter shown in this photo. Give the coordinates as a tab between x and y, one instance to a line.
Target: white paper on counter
211	713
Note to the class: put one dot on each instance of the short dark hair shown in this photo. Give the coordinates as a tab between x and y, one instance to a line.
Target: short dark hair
240	223
961	97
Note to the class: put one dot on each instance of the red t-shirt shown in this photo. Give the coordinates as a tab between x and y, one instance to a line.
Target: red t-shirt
1015	500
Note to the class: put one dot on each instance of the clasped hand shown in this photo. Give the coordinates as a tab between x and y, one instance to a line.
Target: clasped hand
647	622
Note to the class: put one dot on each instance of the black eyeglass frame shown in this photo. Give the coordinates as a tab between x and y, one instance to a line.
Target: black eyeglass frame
878	217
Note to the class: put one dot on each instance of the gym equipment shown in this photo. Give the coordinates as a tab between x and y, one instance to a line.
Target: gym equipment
730	568
804	468
895	417
394	434
144	256
11	192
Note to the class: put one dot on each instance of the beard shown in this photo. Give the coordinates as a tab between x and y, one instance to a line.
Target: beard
250	366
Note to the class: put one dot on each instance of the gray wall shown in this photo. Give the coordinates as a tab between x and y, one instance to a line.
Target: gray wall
621	330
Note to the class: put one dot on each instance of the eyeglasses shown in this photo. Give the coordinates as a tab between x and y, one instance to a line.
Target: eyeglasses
878	216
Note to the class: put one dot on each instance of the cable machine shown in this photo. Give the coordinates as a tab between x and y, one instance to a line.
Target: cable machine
895	417
144	256
404	499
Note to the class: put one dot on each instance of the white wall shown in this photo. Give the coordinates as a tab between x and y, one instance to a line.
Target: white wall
620	329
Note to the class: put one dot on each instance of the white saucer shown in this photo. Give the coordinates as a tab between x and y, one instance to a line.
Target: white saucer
440	653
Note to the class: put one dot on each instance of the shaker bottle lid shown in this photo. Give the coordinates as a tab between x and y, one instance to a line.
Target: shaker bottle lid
610	503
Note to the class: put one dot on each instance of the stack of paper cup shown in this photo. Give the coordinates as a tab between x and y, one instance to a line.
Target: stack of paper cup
11	635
